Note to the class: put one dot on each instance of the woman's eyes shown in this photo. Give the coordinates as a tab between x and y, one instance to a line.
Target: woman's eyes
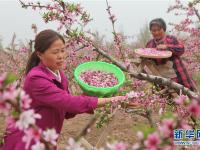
56	52
63	51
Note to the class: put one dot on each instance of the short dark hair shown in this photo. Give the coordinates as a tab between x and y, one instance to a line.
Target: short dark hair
158	21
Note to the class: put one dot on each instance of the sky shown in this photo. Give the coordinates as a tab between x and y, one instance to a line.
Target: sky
131	17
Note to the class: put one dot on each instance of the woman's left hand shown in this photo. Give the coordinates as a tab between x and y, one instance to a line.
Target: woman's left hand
103	101
161	46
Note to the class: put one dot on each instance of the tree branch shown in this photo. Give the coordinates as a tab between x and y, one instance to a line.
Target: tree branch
151	78
86	127
197	13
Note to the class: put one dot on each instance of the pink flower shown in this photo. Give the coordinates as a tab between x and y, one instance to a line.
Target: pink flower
51	136
38	146
99	78
194	108
11	94
134	94
78	8
113	18
26	119
31	134
25	100
190	11
23	50
151	52
180	99
140	135
185	125
117	146
166	127
136	146
152	141
137	83
10	122
73	145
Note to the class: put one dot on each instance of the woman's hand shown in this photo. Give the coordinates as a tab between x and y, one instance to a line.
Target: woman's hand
161	46
117	98
103	101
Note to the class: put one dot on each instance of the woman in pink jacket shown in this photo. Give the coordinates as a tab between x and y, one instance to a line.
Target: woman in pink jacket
48	88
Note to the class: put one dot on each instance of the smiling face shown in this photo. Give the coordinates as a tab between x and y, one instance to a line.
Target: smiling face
157	31
54	56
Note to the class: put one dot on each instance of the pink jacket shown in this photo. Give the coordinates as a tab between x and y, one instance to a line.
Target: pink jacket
52	100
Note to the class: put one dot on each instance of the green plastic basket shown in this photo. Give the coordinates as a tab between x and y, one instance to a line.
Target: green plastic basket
103	66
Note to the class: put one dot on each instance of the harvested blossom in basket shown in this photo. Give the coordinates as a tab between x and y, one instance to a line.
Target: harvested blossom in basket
98	78
152	52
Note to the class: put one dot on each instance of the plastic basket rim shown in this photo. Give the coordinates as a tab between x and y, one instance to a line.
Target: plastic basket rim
99	88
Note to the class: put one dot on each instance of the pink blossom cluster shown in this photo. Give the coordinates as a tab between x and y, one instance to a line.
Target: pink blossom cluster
73	145
99	78
118	37
161	139
133	94
164	132
72	18
152	141
117	146
13	60
166	128
137	83
145	99
65	13
190	25
22	117
23	49
192	50
152	52
111	16
178	5
194	108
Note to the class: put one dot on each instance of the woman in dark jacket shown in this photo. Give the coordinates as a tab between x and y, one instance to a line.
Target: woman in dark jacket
172	67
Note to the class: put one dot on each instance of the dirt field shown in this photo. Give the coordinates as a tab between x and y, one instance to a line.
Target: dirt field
120	128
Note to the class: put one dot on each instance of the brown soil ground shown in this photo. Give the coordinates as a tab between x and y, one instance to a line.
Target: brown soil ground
119	128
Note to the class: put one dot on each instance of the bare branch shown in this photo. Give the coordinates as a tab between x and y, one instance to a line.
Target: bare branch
151	78
32	5
197	13
85	129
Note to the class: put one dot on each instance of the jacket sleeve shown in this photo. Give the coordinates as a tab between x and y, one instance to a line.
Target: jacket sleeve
69	115
176	47
45	92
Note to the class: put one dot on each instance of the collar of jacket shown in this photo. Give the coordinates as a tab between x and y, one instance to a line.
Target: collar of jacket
49	74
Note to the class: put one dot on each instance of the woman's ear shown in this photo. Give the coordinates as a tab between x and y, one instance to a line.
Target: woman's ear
39	55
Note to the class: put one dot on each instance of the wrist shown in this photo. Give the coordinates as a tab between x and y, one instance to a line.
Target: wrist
102	101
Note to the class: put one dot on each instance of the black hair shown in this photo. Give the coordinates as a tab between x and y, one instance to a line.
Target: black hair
43	41
158	21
